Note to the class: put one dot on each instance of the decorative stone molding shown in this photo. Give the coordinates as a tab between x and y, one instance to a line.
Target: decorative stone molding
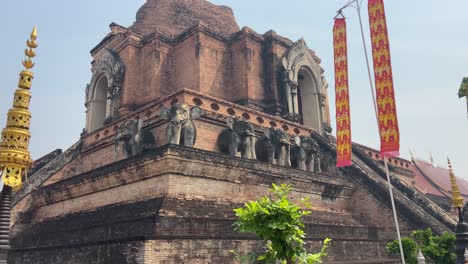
299	58
110	66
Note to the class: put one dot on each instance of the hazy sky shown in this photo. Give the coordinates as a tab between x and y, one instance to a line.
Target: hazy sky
429	46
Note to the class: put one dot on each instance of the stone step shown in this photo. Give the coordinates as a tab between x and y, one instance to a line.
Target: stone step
356	252
366	261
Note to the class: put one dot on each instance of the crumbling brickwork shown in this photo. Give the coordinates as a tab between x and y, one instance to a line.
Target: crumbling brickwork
174	203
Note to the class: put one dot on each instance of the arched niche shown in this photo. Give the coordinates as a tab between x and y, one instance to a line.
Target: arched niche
309	100
98	104
106	82
303	87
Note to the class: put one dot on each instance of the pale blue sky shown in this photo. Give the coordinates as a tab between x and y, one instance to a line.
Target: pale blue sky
429	45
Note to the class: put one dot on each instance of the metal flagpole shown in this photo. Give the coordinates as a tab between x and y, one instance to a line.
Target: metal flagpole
390	188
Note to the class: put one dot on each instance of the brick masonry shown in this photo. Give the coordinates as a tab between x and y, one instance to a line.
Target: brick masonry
174	204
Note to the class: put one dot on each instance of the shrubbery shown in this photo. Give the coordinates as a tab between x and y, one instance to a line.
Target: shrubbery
278	222
436	249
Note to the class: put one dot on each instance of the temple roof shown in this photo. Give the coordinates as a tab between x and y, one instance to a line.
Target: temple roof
426	177
173	17
435	180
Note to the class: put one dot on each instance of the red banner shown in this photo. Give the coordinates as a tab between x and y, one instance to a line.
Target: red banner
343	119
388	122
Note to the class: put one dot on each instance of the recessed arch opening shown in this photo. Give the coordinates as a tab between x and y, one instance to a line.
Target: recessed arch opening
308	100
98	104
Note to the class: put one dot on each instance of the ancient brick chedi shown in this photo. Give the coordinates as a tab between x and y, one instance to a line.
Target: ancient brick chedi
188	117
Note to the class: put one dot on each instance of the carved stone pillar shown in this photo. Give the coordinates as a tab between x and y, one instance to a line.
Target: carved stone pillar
116	102
288	94
109	111
295	101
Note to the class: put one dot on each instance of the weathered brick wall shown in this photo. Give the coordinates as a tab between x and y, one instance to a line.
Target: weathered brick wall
215	66
174	17
109	253
238	73
186	66
179	202
255	70
368	210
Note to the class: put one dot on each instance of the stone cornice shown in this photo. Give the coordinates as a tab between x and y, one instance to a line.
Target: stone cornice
98	180
149	114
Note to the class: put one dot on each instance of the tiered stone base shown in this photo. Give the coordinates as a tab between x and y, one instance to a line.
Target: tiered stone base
175	205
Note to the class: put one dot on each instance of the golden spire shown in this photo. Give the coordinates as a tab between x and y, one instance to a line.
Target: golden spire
457	199
15	159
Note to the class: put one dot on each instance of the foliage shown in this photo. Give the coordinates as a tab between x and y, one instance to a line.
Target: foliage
278	222
245	259
437	249
410	248
441	249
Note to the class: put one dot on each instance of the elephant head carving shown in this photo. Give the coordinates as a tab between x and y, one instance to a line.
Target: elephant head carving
276	145
128	139
239	136
181	129
305	153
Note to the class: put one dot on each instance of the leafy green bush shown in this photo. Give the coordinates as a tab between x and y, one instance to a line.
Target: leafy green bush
278	222
410	248
436	249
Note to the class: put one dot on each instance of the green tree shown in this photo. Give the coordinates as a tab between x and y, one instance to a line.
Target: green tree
436	249
441	249
278	222
410	248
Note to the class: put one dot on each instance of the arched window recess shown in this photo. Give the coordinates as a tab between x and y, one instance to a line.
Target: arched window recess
103	94
304	94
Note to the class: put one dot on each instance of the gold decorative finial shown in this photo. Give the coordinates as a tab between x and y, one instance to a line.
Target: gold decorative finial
34	33
15	158
457	199
32	44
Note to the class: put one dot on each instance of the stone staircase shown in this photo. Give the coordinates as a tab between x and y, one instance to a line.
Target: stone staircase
5	204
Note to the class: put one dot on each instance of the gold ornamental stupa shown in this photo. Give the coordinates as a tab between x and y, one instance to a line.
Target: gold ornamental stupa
457	199
15	158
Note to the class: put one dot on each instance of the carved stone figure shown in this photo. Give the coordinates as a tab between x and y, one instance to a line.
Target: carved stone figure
181	129
240	136
275	145
128	139
304	153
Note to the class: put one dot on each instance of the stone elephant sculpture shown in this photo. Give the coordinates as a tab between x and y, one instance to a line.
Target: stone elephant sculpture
181	129
128	139
305	153
240	136
276	145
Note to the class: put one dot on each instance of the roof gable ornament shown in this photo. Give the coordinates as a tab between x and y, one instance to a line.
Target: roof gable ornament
297	57
111	66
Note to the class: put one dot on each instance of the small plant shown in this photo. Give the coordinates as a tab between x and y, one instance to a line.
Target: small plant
436	249
278	222
410	249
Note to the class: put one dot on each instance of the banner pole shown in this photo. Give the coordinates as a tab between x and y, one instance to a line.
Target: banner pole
358	4
367	62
